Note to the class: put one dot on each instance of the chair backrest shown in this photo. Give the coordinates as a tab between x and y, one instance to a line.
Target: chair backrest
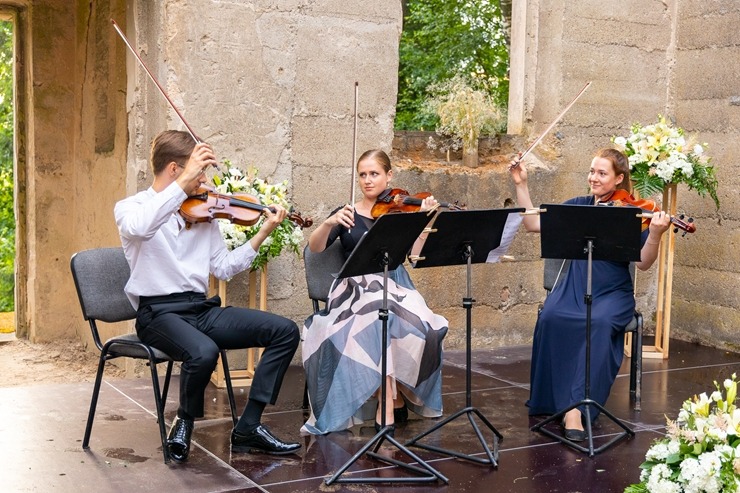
100	276
555	269
319	269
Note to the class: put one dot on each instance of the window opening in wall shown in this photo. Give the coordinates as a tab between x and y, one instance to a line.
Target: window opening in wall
442	40
7	213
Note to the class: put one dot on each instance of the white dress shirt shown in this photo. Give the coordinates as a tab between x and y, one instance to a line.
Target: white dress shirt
166	257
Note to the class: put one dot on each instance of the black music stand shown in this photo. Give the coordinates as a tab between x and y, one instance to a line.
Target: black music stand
384	247
464	237
585	232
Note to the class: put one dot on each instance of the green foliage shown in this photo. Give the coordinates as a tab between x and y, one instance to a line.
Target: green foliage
7	217
442	39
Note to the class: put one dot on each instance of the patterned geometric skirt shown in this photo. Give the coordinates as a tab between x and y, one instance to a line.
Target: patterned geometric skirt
342	351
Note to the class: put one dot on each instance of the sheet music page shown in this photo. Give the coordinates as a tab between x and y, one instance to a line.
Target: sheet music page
510	229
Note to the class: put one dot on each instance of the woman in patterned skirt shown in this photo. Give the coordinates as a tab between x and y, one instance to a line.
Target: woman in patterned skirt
342	344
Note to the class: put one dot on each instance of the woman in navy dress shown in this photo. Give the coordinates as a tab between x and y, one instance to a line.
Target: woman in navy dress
557	379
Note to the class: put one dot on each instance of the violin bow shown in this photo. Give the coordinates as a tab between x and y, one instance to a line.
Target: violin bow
354	150
550	127
354	153
156	82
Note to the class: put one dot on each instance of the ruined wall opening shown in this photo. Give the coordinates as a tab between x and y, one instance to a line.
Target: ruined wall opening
7	174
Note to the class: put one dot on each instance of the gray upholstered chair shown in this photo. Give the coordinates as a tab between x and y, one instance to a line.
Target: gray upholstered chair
100	275
320	268
554	271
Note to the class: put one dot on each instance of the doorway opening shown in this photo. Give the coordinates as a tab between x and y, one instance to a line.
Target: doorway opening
7	177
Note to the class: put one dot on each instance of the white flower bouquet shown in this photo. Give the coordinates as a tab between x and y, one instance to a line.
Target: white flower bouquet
287	235
701	452
659	154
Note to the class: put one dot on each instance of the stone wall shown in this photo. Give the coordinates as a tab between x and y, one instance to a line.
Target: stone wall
271	84
646	58
71	154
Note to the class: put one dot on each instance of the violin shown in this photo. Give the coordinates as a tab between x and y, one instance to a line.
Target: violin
622	197
242	209
399	200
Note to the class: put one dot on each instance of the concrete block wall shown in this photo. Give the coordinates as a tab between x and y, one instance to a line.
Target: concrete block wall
271	84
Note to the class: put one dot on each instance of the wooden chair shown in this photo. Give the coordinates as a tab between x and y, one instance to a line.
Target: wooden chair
100	275
554	271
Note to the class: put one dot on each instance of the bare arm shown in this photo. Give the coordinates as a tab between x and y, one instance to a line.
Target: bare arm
319	236
659	224
519	176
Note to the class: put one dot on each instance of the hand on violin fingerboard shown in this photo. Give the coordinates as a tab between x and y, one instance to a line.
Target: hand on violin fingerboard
429	203
274	215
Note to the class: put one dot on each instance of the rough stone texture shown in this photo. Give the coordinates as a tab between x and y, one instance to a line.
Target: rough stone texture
648	58
271	84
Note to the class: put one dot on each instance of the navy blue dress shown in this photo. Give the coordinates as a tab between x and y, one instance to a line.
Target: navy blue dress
557	378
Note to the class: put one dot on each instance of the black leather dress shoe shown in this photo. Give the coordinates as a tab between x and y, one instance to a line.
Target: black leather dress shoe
261	440
178	440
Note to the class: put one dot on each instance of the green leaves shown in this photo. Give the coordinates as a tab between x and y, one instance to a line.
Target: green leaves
7	216
441	39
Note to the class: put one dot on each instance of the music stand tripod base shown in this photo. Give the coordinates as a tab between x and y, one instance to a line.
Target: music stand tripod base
459	239
384	247
584	232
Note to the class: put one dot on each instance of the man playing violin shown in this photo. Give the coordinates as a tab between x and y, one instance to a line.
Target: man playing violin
170	266
558	372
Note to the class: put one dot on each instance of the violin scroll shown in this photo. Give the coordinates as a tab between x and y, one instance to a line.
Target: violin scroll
621	198
680	222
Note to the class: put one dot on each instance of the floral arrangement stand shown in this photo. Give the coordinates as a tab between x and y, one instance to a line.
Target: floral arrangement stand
286	236
243	377
660	157
660	348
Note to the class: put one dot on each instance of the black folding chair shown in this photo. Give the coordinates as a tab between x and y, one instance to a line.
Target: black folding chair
319	269
100	275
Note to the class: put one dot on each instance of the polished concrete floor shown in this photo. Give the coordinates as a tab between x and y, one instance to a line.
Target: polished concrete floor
41	430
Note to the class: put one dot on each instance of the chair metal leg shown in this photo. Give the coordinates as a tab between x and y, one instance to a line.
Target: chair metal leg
159	404
229	387
638	365
167	377
94	399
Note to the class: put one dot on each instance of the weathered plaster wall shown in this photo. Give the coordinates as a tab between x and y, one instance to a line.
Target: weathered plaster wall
73	155
645	58
270	85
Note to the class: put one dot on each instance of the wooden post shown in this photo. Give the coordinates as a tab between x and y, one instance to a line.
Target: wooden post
665	284
243	378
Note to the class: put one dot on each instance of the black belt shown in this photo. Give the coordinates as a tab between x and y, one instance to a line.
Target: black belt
172	298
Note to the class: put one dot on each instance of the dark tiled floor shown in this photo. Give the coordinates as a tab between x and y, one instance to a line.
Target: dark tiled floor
41	430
